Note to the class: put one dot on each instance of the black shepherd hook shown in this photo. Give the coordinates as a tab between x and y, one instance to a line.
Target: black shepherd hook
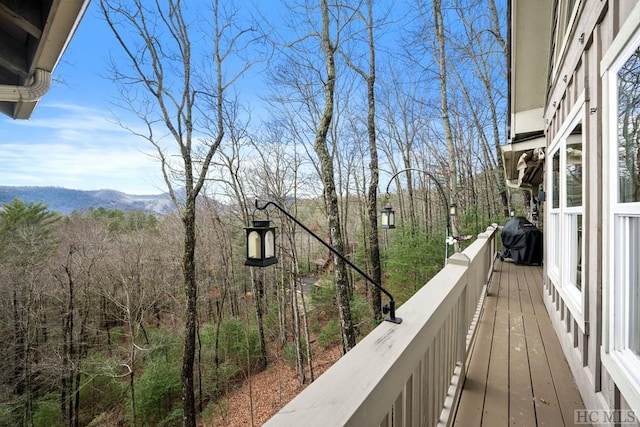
390	308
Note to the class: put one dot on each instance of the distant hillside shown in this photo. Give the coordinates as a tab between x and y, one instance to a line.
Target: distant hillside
65	201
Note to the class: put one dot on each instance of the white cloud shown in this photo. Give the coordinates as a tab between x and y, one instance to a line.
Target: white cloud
87	167
77	148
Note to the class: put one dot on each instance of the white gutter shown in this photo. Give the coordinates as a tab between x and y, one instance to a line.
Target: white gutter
31	93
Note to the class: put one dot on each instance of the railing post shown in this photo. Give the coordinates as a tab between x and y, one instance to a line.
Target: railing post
494	244
459	259
491	253
463	326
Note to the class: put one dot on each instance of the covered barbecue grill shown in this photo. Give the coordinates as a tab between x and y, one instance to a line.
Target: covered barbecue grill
522	242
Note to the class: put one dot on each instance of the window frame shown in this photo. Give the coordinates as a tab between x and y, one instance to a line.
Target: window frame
554	215
562	247
566	16
621	363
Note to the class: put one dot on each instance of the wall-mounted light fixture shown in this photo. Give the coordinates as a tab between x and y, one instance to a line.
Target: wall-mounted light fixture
261	252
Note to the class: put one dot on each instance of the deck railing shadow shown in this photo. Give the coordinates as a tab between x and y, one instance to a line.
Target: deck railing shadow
412	373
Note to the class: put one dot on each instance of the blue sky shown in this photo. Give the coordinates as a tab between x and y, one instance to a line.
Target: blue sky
71	139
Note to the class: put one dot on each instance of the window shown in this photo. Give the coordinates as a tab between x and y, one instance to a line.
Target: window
566	13
626	209
554	214
629	130
627	273
569	12
565	221
573	206
555	179
621	255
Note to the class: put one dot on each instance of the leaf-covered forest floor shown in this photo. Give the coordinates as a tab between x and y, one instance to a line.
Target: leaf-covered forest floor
257	400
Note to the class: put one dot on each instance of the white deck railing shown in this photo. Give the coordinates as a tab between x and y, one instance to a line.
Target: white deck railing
408	374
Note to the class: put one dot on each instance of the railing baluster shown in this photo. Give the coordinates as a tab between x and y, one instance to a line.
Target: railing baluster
398	411
414	418
432	383
441	373
407	402
463	327
385	421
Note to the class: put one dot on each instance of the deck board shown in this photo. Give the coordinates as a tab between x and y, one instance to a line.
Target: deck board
544	391
496	406
517	373
568	396
521	405
470	415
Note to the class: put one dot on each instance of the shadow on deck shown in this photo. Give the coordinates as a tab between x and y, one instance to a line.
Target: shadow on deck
517	373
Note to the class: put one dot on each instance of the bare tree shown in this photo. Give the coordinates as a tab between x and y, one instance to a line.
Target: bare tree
368	74
133	297
404	117
82	247
330	195
306	93
440	55
486	49
160	87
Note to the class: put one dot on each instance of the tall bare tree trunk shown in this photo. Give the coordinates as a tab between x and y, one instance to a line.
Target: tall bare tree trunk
258	298
159	87
440	57
372	194
330	195
497	33
297	333
190	314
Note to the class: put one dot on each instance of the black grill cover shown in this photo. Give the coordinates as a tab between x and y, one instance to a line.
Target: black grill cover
522	242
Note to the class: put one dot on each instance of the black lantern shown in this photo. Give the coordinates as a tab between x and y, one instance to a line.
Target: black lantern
387	218
261	244
453	210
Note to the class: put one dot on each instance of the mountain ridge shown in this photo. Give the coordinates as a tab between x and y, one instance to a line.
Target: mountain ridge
65	200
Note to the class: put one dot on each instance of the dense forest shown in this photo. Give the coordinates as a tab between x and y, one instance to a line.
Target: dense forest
65	201
128	318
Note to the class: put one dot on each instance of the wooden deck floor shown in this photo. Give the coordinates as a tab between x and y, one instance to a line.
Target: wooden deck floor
517	374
